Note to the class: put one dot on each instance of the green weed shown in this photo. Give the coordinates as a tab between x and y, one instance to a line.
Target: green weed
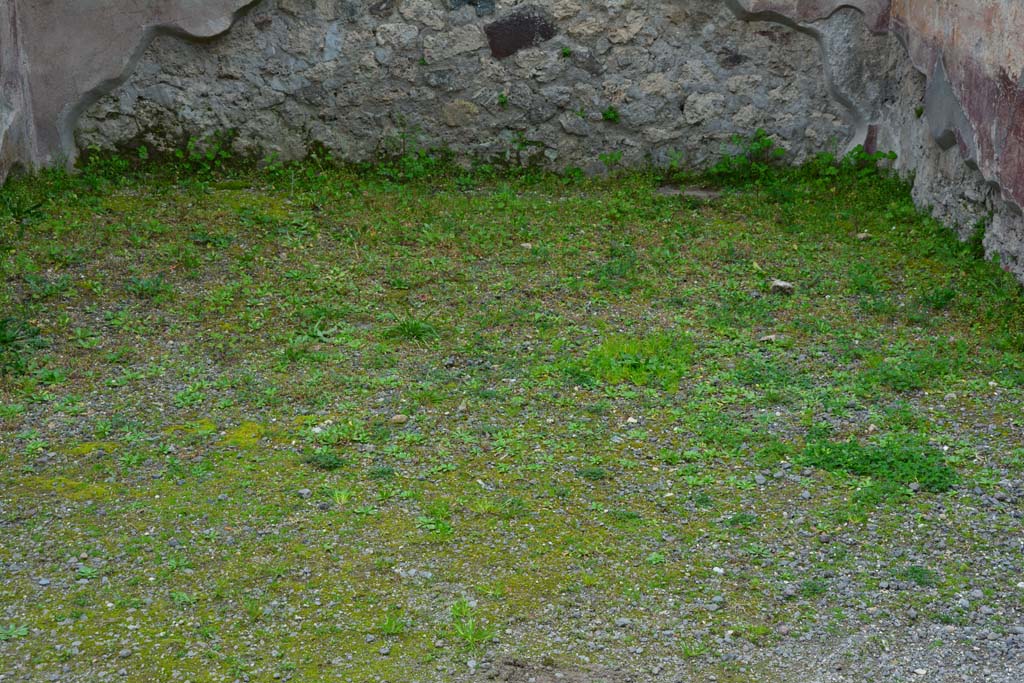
10	632
149	287
325	458
469	628
891	461
922	576
660	360
18	339
611	114
394	624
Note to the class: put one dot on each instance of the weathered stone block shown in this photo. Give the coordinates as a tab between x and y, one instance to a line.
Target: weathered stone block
701	107
438	47
460	113
626	31
423	12
573	124
483	7
397	35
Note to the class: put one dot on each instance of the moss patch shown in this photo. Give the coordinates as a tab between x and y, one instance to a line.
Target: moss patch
90	447
78	491
245	436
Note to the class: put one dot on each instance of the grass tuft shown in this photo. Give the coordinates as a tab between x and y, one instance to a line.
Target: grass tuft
412	329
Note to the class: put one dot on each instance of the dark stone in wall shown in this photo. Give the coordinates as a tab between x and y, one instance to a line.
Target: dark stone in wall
730	59
526	26
483	7
382	8
349	10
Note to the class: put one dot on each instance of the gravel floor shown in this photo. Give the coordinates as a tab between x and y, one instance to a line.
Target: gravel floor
318	425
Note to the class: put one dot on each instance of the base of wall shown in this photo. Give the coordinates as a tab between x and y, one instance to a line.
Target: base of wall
561	83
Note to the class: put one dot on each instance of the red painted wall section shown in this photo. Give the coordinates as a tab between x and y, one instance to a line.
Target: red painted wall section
980	45
972	52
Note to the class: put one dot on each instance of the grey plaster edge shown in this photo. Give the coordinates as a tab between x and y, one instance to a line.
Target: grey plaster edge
72	112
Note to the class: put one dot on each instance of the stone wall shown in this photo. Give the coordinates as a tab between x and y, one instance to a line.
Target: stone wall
560	82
